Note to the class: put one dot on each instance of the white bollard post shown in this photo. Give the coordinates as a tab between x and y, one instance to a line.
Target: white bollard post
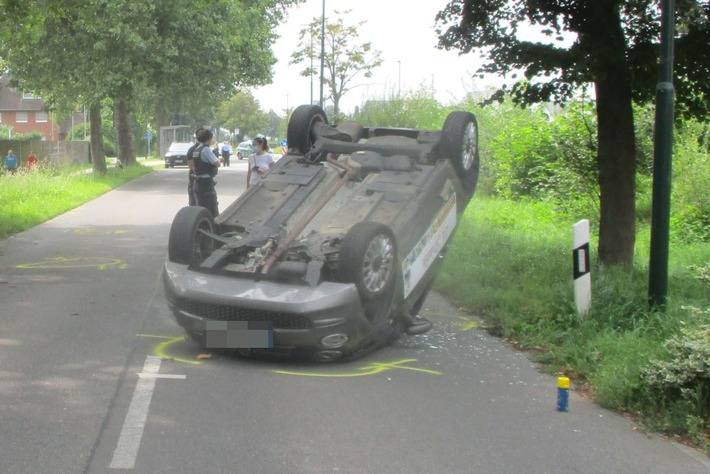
581	271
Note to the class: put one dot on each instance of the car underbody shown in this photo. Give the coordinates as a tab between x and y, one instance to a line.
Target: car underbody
337	247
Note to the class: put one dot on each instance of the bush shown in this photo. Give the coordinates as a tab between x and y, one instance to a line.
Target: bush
509	262
29	136
679	386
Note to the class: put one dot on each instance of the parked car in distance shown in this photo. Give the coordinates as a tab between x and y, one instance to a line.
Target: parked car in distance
333	252
244	149
177	154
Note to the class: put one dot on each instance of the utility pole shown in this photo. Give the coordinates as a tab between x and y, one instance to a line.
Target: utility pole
662	159
322	53
311	102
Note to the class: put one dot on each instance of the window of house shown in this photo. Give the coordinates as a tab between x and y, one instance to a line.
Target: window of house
41	117
0	117
21	117
28	95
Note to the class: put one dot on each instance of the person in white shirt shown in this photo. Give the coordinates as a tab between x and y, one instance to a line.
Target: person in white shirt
226	152
260	162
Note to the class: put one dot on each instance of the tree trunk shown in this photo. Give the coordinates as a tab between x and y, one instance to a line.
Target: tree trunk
616	144
98	159
123	134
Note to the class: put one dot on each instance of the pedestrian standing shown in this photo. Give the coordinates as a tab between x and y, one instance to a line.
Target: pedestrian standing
206	165
226	152
31	160
10	162
260	162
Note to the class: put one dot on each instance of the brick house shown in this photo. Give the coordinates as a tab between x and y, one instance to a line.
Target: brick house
26	113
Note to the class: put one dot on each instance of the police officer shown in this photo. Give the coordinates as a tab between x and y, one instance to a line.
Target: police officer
191	172
205	165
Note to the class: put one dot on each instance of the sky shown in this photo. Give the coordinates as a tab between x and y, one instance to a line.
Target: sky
403	30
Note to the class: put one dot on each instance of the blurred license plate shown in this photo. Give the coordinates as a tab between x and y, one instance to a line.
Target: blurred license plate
239	335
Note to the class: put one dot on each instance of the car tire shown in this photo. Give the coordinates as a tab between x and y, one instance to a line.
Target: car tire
186	243
459	144
300	135
368	258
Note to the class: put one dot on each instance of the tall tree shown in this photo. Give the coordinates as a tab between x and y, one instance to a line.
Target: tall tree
615	47
343	59
242	112
234	51
122	50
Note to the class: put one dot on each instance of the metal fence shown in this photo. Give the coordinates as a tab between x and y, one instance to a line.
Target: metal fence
48	152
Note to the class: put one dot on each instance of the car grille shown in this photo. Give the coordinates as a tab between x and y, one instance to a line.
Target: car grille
222	312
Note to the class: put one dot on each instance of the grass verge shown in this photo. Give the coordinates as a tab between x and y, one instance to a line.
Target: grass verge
30	198
511	264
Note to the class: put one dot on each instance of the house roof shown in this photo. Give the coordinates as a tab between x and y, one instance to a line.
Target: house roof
11	99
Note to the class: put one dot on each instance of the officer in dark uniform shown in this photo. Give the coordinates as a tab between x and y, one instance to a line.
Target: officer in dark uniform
205	164
191	176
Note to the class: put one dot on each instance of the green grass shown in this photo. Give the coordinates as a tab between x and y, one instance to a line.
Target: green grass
510	262
30	198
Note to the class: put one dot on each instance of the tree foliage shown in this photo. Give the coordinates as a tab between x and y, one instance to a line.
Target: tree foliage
610	43
159	54
414	109
242	112
344	60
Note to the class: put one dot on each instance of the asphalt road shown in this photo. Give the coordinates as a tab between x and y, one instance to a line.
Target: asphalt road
82	314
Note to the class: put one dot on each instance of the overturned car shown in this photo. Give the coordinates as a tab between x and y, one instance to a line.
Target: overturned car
333	253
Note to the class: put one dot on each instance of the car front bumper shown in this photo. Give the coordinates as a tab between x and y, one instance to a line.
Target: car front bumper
326	319
176	160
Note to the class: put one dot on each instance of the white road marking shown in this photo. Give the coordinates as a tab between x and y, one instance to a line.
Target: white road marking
162	376
124	457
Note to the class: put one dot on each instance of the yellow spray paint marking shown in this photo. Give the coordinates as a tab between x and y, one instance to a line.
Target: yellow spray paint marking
76	262
371	369
94	231
161	350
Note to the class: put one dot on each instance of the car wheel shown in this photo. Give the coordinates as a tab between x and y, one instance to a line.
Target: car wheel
459	143
187	244
300	127
367	258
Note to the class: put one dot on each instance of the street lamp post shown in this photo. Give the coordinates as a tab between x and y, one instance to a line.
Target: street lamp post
662	162
311	102
322	53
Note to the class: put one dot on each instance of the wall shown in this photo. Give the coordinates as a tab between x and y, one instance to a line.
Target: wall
47	152
49	129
